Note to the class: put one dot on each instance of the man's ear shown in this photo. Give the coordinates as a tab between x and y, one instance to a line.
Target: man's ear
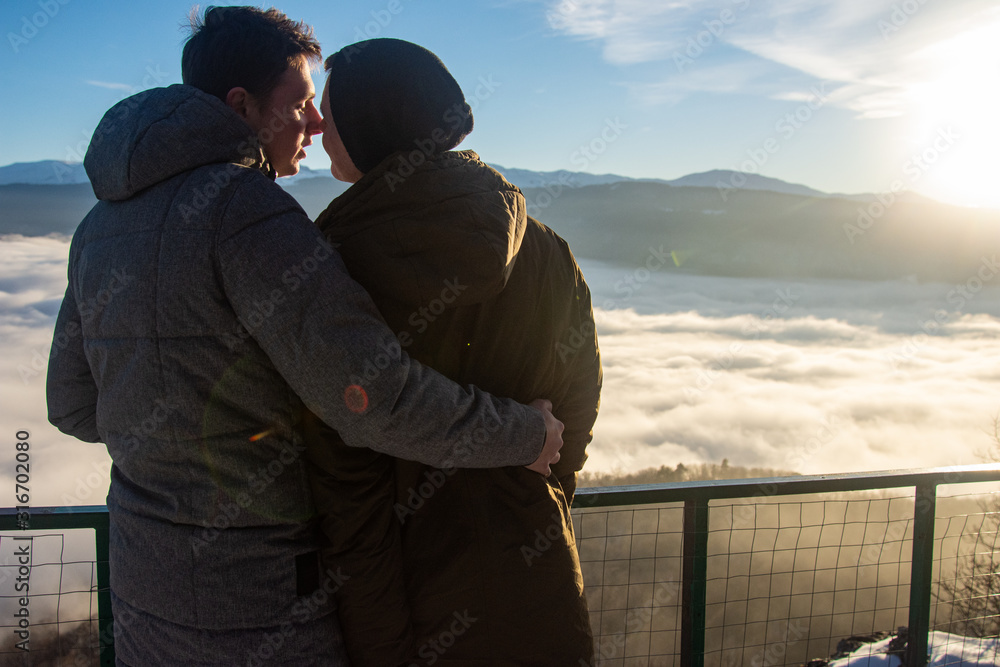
238	99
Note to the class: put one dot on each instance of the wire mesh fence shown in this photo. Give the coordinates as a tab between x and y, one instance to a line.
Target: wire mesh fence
789	580
967	600
48	598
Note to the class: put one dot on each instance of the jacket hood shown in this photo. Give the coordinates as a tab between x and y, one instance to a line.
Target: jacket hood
449	228
159	133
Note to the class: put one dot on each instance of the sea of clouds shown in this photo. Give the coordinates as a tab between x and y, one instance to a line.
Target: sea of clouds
812	376
815	377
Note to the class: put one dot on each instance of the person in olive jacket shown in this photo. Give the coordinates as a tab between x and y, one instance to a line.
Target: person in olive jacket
447	565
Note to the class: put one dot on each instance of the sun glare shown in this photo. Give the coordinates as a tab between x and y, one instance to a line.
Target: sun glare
956	130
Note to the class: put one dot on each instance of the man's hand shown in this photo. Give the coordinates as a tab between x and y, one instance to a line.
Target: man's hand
553	438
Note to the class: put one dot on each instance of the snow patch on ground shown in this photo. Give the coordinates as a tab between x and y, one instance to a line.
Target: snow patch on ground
944	649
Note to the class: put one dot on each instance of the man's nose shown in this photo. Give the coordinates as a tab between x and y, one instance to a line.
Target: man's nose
314	121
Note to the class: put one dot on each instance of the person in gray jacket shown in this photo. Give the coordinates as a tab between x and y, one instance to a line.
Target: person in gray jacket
204	311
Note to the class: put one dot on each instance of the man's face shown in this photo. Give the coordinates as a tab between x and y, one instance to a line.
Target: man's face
341	165
287	120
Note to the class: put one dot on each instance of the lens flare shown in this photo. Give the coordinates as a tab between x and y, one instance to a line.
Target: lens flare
262	434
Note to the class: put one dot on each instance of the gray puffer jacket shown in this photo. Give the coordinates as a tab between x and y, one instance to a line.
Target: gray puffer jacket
203	309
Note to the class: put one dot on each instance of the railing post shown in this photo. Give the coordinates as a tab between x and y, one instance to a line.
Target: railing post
695	583
105	621
924	513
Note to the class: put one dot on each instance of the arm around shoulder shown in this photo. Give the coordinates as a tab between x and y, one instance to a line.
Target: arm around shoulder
324	335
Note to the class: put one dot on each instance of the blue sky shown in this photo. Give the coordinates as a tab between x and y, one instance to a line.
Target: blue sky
841	95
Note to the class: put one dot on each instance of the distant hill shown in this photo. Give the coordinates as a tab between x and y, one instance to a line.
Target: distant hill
46	172
766	234
305	173
38	210
54	172
749	231
722	179
524	178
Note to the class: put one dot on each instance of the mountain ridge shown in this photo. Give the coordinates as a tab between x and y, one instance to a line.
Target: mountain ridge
43	172
58	172
699	228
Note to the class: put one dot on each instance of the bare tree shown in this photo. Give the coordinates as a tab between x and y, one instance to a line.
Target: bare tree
974	593
66	645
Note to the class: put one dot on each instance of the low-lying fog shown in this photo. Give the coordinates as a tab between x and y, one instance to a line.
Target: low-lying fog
815	377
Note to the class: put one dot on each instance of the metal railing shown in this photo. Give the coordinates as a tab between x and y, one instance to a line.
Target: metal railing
92	517
698	501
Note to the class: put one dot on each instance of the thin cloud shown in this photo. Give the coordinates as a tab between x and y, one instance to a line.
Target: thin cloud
874	51
110	85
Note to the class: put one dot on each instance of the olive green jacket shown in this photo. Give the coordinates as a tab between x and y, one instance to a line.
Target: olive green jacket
485	559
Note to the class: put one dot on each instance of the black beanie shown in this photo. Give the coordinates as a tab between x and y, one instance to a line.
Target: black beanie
389	95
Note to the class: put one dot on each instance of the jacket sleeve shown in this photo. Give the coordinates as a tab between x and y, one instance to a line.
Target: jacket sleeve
70	389
322	332
583	379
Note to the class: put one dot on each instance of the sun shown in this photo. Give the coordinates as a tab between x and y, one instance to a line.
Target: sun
960	99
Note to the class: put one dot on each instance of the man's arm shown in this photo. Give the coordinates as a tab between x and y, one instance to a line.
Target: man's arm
71	392
325	336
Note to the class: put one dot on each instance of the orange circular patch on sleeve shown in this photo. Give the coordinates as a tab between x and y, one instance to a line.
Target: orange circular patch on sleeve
356	399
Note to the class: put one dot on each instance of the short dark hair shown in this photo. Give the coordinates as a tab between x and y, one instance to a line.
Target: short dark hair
244	47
